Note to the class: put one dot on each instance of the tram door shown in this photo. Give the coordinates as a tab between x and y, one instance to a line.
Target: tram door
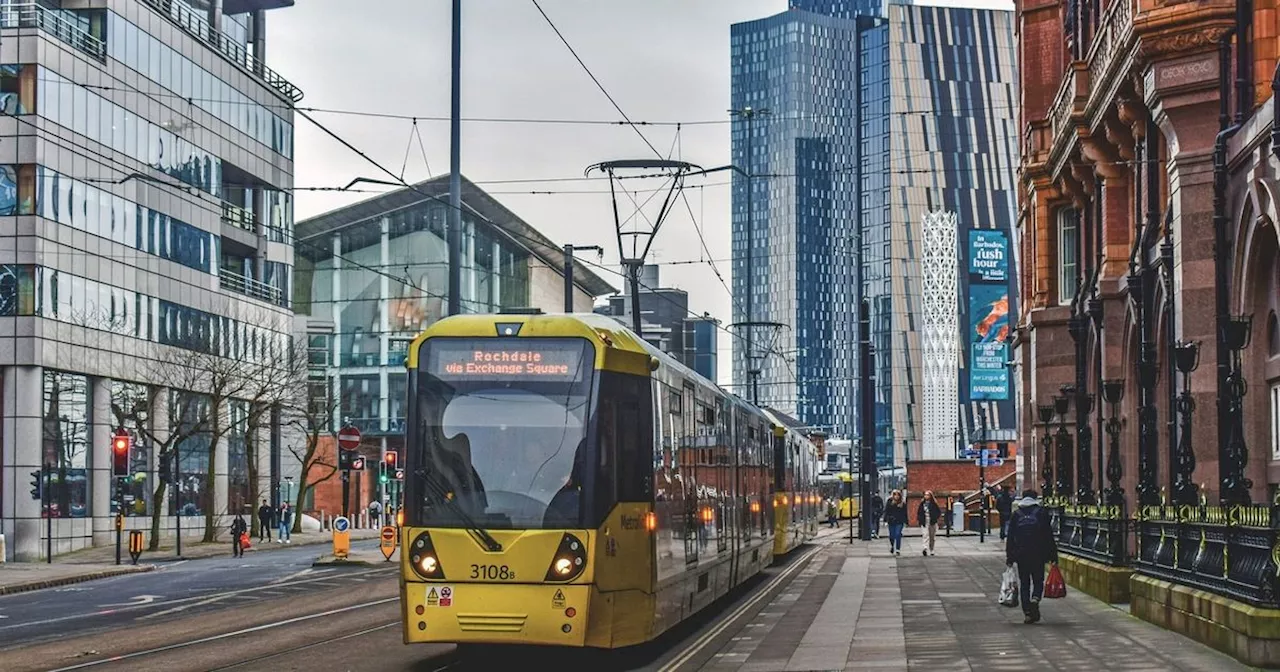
693	528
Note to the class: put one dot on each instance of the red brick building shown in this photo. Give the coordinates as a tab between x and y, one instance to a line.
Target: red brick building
1148	341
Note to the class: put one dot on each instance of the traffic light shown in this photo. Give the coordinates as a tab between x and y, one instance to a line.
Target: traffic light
344	459
357	463
120	449
390	459
36	481
382	471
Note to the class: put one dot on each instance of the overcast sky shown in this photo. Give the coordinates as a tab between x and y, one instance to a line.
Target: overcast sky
662	60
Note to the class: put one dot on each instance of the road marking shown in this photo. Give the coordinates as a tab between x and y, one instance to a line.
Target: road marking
304	647
184	607
228	635
194	598
702	642
135	601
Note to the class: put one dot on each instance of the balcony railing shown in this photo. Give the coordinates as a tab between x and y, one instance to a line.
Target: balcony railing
373	426
1230	551
198	26
1098	533
238	217
1114	30
234	282
31	15
1075	86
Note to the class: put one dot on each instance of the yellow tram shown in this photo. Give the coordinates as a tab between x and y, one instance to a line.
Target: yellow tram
567	484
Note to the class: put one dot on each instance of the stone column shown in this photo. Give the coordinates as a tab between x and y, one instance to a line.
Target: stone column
102	485
21	450
221	470
1182	94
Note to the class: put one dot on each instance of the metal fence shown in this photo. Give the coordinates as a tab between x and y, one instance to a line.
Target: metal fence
1096	532
1233	551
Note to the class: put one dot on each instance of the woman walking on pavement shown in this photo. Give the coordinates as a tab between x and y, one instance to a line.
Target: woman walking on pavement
1030	543
928	514
239	528
895	516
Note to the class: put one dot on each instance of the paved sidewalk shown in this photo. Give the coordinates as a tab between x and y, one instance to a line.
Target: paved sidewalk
856	607
22	577
193	549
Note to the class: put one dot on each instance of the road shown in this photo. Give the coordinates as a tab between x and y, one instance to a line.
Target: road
275	612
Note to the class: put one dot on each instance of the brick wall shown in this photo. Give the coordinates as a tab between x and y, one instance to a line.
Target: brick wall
327	496
946	478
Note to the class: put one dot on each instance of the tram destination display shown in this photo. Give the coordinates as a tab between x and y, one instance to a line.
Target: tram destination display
492	359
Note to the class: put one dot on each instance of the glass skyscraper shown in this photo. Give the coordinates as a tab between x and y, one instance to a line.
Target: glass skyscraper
878	114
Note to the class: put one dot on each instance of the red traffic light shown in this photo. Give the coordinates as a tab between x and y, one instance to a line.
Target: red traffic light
121	444
390	458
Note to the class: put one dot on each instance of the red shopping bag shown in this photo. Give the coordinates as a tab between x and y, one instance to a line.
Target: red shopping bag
244	540
1054	585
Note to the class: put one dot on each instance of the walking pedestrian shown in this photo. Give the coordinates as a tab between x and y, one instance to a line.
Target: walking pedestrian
1004	507
877	510
895	516
1030	544
239	528
286	520
265	519
375	513
928	514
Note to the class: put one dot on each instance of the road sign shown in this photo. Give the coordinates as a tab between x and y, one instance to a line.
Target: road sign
349	438
971	453
990	452
990	462
388	544
341	537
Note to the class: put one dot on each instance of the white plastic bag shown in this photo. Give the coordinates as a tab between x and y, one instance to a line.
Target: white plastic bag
1009	588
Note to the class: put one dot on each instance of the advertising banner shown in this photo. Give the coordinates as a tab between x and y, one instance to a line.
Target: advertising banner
989	353
988	256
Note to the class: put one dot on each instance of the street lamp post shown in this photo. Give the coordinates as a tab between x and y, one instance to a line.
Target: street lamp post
1113	392
1045	413
1186	357
1066	480
569	249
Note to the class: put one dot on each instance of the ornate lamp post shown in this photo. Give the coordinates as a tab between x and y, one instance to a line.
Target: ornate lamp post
1061	405
1186	357
1045	413
1113	392
1084	439
1234	454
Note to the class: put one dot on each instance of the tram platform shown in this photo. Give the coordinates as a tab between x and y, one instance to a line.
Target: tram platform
856	607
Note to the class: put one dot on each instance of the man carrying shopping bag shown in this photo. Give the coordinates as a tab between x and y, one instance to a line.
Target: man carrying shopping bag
1030	544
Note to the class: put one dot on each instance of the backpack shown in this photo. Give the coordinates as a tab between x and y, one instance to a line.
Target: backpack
1027	526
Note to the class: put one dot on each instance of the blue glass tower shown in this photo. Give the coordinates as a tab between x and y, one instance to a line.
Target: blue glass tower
880	113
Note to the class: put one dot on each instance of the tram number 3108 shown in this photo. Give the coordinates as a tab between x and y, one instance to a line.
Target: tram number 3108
492	572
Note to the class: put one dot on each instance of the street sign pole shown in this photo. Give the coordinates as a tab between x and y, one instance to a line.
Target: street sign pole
47	476
348	439
982	478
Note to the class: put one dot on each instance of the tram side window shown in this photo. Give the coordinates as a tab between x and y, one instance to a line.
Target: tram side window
626	443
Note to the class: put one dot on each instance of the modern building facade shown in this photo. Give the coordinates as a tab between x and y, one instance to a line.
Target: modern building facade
1149	343
145	194
665	322
879	113
375	274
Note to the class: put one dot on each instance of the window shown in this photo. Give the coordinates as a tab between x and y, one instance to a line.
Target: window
1068	243
1274	402
66	444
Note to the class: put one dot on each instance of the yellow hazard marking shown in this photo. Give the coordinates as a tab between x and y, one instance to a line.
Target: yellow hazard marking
557	601
432	598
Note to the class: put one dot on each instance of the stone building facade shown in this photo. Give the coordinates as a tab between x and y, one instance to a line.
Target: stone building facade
1148	342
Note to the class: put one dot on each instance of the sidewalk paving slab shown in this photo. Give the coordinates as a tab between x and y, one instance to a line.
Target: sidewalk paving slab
193	548
857	607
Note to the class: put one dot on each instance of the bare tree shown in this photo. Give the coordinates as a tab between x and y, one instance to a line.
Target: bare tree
313	415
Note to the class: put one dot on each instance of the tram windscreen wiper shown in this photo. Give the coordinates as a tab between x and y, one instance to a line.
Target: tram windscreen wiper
478	533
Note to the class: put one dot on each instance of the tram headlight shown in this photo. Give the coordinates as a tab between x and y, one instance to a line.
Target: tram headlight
569	561
423	559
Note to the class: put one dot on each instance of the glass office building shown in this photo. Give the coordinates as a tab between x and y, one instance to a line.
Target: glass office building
147	216
879	113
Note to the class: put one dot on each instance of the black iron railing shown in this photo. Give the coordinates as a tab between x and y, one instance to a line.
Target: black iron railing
1233	551
1097	532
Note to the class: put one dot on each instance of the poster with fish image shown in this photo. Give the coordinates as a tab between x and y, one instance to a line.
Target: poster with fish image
988	335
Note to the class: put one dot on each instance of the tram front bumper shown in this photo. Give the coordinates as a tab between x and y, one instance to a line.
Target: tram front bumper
489	613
